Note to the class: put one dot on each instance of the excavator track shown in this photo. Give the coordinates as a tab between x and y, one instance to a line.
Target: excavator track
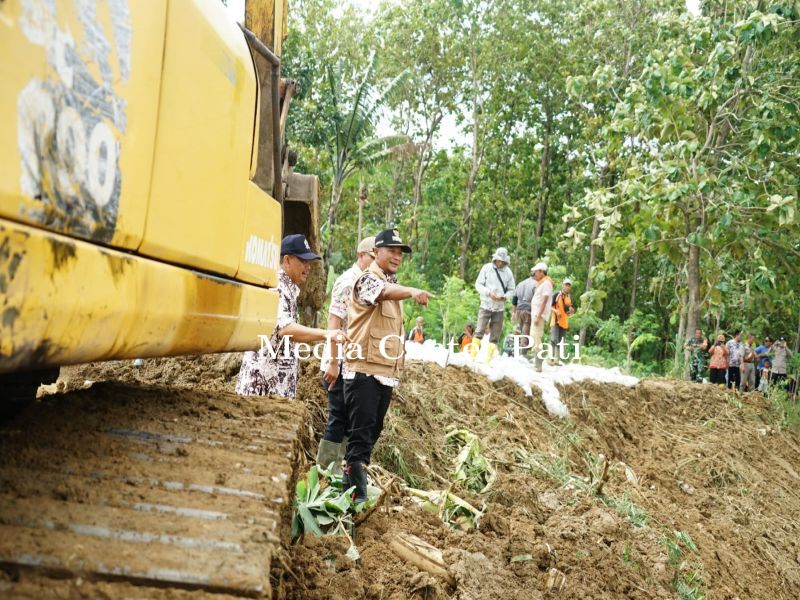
127	490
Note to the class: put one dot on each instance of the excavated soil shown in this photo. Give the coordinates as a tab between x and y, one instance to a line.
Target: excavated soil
703	465
701	497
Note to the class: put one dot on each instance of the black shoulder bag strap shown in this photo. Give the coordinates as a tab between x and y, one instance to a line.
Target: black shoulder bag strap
502	285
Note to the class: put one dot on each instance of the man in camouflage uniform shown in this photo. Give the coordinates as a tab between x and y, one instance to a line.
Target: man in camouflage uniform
698	348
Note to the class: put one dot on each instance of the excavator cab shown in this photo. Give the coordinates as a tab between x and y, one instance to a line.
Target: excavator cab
140	212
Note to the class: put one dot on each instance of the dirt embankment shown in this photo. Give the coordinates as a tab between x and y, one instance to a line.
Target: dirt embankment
665	490
701	496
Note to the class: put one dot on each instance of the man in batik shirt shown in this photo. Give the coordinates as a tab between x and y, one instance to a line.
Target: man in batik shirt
260	373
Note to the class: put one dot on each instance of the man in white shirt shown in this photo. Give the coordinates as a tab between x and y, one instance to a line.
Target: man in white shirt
540	309
495	284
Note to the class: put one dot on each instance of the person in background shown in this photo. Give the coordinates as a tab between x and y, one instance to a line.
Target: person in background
521	311
495	284
697	347
780	354
540	309
465	339
334	441
735	353
486	349
748	368
508	343
762	354
262	375
417	334
718	365
763	383
559	318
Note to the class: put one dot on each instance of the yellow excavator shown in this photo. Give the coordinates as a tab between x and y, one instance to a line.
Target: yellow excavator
145	183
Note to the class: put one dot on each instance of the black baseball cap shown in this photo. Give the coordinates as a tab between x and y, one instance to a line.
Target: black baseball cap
297	245
391	238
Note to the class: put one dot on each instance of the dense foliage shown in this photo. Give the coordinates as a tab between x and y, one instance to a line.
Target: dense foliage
650	154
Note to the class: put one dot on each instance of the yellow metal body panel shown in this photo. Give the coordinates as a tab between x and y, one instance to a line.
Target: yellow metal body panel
262	245
204	141
78	114
67	301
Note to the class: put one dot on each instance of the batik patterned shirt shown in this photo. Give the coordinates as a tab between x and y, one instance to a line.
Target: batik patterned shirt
340	300
263	375
735	353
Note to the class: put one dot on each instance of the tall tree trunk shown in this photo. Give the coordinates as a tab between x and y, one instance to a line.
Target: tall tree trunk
544	180
419	173
797	338
693	286
632	304
679	350
475	163
592	261
336	196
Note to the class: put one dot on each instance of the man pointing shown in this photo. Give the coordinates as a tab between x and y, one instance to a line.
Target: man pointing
373	364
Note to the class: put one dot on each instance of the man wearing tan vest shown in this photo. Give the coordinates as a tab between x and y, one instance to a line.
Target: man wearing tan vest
375	358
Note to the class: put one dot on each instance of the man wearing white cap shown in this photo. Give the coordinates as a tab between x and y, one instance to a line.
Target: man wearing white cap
540	309
333	444
559	319
495	284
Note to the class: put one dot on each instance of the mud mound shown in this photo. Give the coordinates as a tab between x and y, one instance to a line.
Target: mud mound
655	491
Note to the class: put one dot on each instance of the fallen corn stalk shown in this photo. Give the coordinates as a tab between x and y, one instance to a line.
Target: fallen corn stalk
420	554
452	510
472	469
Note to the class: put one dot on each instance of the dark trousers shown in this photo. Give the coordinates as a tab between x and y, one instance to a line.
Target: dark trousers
734	377
337	426
367	401
778	379
717	376
758	375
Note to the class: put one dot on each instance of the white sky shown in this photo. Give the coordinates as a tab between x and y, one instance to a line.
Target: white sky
449	134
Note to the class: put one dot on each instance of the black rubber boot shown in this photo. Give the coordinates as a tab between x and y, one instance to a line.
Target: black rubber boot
358	478
346	479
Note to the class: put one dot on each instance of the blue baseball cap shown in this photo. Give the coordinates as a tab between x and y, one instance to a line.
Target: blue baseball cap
297	245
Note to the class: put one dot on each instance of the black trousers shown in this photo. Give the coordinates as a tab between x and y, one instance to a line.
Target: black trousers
778	379
337	426
367	401
717	376
734	377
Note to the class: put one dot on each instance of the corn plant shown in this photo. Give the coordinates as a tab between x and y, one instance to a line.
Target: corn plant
452	510
472	469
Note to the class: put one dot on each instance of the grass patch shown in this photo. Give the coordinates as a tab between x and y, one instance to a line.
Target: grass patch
784	410
391	457
637	515
688	580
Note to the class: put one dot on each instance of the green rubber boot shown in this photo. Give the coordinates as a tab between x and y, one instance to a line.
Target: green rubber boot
329	453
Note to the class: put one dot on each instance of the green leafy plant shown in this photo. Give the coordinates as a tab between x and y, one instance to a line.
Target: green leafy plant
472	469
322	507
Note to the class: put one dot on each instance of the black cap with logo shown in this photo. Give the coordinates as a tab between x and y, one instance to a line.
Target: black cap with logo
297	245
390	238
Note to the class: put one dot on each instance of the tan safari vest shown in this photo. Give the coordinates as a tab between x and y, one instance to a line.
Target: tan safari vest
368	325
